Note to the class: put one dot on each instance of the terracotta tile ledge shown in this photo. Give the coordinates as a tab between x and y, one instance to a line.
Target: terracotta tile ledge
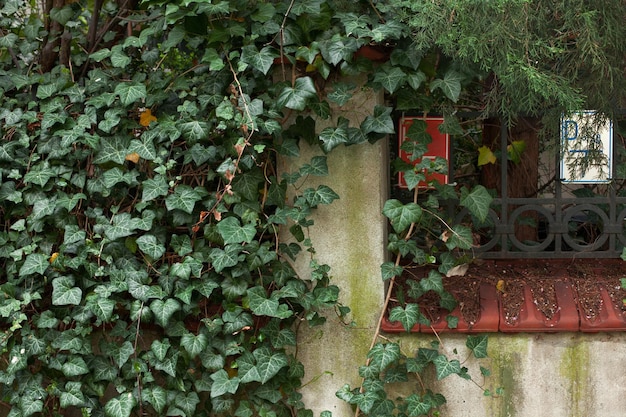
569	315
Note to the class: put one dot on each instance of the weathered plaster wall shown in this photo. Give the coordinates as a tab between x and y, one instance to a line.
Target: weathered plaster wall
348	235
556	375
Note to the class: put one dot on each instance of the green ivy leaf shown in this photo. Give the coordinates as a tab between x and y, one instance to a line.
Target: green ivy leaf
72	395
407	316
120	406
75	366
317	167
151	246
390	78
155	396
187	402
222	384
390	270
261	60
184	198
35	263
477	202
154	188
269	363
224	258
444	367
160	348
401	215
379	122
194	344
478	345
118	58
416	407
384	354
321	195
332	137
450	85
130	92
461	237
64	292
261	305
433	282
122	226
164	310
232	232
296	97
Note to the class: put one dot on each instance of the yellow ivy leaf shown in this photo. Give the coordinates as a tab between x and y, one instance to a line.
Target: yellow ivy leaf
53	257
485	156
500	285
515	151
146	117
132	157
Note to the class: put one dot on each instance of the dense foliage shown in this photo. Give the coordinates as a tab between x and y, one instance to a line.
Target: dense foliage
145	267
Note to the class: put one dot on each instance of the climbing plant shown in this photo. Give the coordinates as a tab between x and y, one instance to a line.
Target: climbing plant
148	238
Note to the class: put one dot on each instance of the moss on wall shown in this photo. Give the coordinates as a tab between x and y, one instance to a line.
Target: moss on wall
574	370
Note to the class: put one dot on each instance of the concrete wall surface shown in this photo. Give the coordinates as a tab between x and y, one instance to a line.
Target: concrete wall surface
538	374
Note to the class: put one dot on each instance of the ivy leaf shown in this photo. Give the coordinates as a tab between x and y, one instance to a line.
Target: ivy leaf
261	60
64	292
450	85
164	310
222	384
144	148
296	97
379	122
160	348
477	202
232	232
333	137
322	195
122	226
269	363
101	307
261	305
130	92
390	78
432	283
384	354
151	246
73	395
317	167
195	130
478	345
118	58
407	316
75	366
461	237
120	406
156	396
194	344
40	174
122	353
184	198
113	149
401	215
486	156
444	367
390	270
154	188
416	407
35	263
224	258
187	402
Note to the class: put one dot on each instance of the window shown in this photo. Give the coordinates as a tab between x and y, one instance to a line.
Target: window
559	205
